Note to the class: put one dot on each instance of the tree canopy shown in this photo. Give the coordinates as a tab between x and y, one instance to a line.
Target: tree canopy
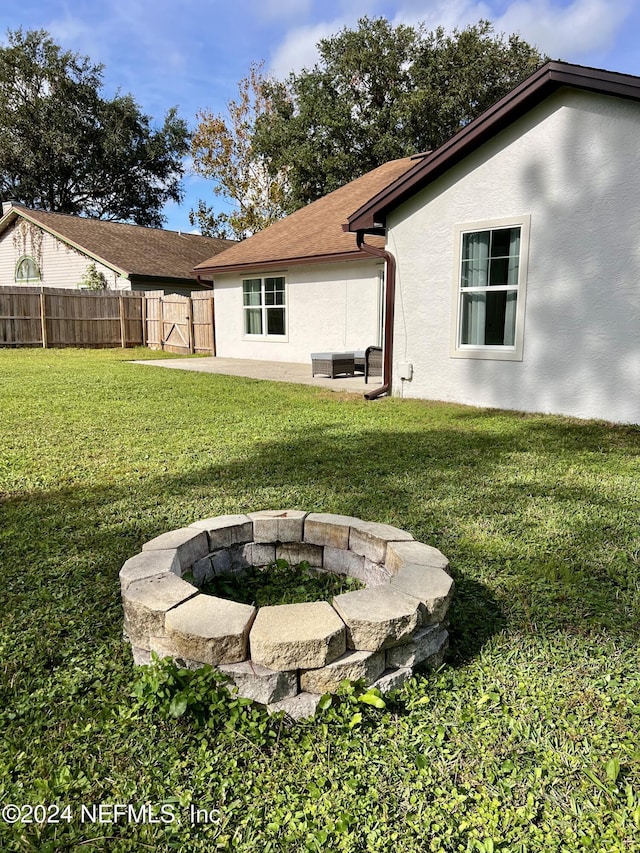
65	148
222	149
380	92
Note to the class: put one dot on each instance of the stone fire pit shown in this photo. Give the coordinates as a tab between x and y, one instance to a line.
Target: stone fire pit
287	656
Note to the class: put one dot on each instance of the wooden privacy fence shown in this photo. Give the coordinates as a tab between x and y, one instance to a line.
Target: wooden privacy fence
56	317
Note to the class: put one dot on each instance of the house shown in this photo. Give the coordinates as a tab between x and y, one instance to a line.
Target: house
517	253
302	285
58	250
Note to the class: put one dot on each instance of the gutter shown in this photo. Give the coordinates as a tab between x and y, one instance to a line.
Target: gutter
389	303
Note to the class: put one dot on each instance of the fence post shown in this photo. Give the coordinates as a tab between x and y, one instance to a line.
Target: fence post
190	325
43	318
123	326
143	317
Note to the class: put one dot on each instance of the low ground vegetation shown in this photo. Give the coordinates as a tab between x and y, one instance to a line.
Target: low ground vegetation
527	741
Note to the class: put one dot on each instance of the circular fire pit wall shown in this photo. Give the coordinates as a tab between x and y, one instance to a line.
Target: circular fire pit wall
287	656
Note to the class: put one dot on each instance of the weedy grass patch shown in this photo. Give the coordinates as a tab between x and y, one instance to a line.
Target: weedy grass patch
528	739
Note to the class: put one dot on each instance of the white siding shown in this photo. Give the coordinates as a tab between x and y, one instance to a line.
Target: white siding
329	308
60	265
573	165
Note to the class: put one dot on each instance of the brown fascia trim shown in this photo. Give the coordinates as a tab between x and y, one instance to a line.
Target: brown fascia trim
371	217
279	264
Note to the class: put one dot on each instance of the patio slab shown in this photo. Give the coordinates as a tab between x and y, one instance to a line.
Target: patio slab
272	371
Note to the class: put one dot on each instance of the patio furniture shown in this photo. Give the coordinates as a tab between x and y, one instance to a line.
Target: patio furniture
332	363
369	362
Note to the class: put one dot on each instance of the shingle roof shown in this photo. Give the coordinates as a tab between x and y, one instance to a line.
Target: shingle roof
313	233
130	249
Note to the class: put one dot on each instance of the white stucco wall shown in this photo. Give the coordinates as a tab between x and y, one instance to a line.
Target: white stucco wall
329	307
60	265
573	165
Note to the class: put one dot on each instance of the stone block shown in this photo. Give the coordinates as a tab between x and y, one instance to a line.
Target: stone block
299	707
273	525
211	630
202	571
146	603
370	539
189	543
226	530
260	684
253	554
141	657
351	665
221	562
147	564
377	617
370	573
297	636
326	529
342	562
392	679
432	587
400	553
425	643
296	552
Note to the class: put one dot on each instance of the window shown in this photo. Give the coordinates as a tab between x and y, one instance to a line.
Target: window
264	306
27	270
490	283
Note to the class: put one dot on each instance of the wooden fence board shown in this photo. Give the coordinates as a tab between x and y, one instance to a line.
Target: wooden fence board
55	317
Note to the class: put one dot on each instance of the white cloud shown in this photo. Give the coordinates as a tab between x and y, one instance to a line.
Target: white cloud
298	50
566	32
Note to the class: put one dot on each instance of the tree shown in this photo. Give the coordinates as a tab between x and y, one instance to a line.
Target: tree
222	149
65	148
381	92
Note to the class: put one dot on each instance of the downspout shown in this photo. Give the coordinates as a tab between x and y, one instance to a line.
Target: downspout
389	305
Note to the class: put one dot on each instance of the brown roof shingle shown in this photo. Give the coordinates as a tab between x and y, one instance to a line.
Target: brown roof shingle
313	233
132	249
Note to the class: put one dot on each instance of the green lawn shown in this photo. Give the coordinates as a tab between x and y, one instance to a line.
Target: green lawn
527	740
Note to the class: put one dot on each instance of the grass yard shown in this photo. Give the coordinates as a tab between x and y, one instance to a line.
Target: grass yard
527	741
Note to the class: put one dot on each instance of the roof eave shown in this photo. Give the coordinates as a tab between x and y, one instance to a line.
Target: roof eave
537	87
279	263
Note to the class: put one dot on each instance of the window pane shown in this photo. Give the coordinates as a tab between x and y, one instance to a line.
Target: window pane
253	321
475	259
499	271
251	291
489	319
473	318
274	290
275	321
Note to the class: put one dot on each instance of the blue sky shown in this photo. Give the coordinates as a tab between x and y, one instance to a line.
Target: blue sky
191	53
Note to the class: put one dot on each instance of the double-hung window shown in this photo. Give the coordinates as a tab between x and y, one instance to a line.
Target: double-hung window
490	288
264	307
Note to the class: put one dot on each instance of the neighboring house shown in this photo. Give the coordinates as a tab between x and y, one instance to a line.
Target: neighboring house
517	246
301	285
57	250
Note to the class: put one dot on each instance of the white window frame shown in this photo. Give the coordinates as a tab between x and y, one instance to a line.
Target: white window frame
499	352
264	335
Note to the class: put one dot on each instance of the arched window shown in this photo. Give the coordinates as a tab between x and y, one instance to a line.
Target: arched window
27	270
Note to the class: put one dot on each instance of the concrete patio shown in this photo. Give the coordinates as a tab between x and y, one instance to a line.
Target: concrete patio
272	371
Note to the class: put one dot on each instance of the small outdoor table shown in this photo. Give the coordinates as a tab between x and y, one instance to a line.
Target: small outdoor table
332	363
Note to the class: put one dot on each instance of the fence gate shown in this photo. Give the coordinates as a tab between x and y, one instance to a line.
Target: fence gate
176	324
180	324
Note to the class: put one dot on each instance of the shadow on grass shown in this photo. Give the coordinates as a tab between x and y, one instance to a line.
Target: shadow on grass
531	544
